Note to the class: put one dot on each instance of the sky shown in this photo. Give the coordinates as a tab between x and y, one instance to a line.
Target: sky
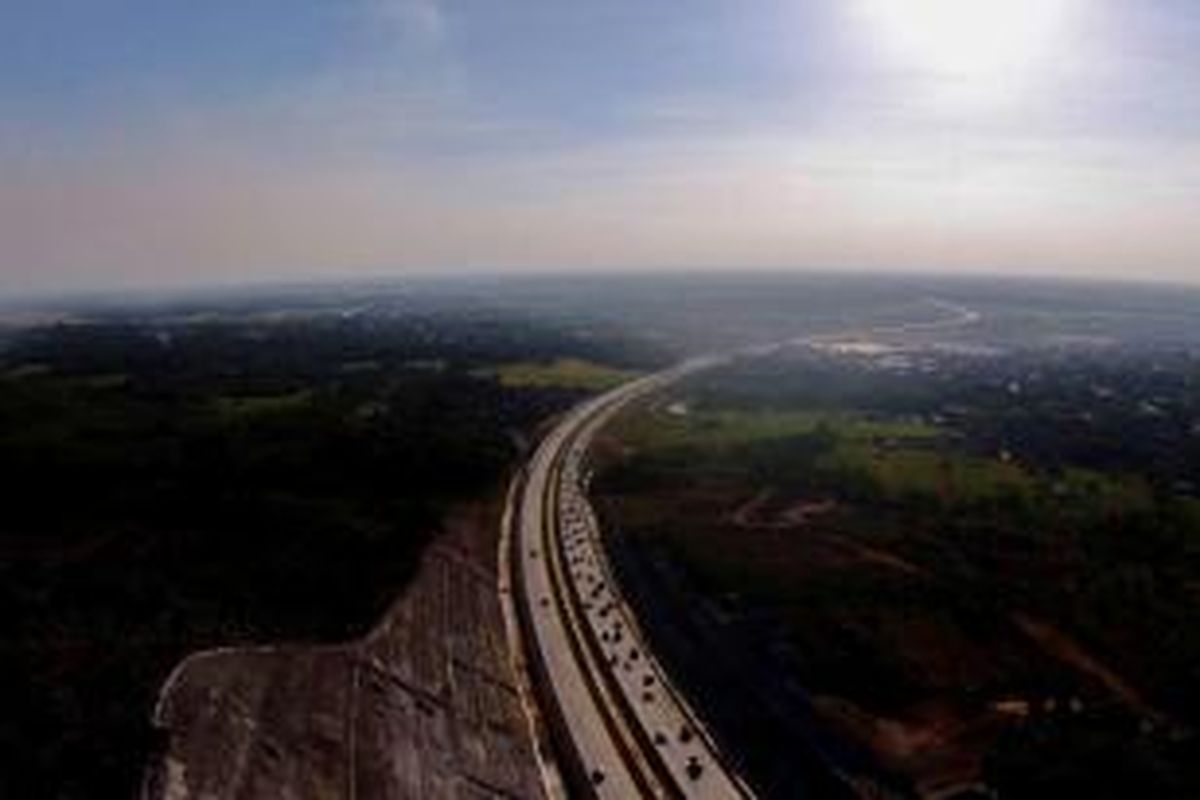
153	144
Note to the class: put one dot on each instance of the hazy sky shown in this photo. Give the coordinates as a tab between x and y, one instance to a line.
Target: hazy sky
156	142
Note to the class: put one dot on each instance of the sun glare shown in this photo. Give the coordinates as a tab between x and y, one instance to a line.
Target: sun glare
974	41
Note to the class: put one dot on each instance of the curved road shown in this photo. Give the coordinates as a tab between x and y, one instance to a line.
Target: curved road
629	732
619	727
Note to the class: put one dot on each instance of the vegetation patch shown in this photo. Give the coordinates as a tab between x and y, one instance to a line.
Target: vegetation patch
242	406
563	373
718	427
985	578
174	486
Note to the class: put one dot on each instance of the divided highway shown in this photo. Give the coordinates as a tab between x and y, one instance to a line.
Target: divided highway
620	728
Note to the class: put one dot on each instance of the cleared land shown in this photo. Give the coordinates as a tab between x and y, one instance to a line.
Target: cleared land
425	706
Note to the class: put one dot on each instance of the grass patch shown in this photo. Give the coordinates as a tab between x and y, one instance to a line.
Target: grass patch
233	407
23	371
565	373
914	473
724	428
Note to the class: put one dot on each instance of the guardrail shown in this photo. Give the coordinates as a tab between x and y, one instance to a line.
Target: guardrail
563	503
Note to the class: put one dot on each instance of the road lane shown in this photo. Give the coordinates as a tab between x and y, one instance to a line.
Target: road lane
631	733
623	726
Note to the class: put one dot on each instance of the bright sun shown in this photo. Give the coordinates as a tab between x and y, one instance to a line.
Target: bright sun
972	40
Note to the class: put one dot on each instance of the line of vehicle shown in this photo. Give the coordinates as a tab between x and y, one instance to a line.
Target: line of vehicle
602	737
648	779
637	760
572	714
697	767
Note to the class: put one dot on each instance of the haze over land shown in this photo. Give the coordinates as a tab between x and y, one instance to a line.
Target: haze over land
251	468
630	398
153	144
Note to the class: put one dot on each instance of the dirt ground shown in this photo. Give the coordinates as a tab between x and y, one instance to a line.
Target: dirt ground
937	735
426	706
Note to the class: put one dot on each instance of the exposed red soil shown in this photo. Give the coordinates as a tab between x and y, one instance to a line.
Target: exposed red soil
757	514
1057	644
941	745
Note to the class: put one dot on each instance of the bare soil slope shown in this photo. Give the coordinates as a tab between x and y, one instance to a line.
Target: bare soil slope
426	706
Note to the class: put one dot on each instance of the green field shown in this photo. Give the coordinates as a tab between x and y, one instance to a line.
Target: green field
232	407
900	459
564	373
724	427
